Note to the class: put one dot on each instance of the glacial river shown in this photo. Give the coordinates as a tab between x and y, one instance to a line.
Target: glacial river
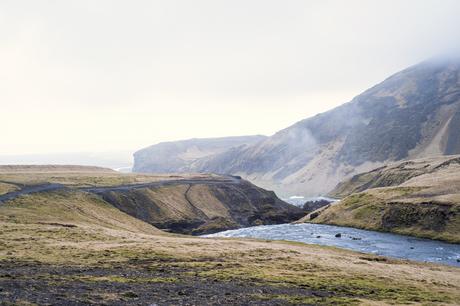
386	244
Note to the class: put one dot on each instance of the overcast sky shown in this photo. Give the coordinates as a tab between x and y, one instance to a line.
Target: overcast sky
121	75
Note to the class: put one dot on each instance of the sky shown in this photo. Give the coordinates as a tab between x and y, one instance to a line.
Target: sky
95	76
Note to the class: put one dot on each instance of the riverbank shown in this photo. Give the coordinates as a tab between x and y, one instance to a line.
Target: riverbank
420	198
370	242
78	265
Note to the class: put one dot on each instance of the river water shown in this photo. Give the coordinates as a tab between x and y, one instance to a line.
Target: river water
385	244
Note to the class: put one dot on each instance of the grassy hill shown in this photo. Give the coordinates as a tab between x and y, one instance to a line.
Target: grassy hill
70	247
417	197
189	203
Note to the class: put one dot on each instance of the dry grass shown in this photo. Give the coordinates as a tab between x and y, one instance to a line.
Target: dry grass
73	228
419	198
33	229
81	176
5	188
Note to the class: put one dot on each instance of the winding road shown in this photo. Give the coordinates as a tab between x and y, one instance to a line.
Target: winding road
98	190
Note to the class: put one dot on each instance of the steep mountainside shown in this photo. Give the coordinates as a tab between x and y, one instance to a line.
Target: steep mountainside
416	197
412	114
181	156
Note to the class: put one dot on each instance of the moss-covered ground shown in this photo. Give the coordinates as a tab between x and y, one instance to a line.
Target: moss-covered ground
70	248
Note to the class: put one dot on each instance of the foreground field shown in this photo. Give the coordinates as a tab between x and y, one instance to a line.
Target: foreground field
74	249
70	247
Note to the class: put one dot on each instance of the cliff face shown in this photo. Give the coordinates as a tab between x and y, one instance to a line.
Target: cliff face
416	197
189	204
183	156
203	207
412	114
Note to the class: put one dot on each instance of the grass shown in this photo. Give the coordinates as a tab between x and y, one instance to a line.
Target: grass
344	287
35	230
5	188
419	198
402	210
80	176
296	299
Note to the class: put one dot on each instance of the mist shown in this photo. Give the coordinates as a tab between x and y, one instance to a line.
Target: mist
110	75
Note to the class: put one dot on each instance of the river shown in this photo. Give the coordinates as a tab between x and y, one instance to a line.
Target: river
378	243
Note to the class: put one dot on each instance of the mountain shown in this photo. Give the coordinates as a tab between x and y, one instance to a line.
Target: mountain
184	155
416	197
413	114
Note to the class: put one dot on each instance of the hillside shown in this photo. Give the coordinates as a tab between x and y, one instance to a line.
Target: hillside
417	197
197	207
188	204
70	247
413	114
183	156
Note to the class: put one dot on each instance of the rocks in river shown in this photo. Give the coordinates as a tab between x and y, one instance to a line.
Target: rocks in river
338	235
356	238
318	236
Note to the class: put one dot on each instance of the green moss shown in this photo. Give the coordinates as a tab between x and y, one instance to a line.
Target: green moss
331	283
356	200
299	299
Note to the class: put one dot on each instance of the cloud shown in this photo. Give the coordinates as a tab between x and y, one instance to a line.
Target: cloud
102	60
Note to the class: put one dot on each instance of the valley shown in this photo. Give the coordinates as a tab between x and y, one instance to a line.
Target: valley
230	153
87	251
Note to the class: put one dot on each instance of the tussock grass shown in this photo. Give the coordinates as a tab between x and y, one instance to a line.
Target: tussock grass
103	237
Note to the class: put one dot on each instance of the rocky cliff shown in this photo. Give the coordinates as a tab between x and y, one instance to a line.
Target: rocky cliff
412	114
184	156
202	206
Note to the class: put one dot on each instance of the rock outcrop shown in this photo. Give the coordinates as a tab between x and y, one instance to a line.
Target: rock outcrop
310	206
202	207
